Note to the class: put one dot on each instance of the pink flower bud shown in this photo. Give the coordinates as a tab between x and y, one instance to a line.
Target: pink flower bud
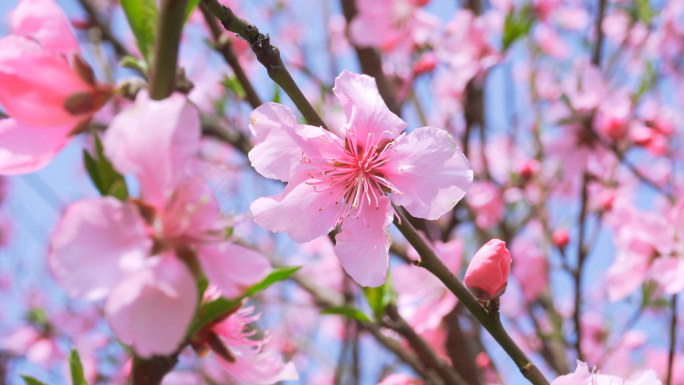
426	63
615	128
528	168
560	237
487	273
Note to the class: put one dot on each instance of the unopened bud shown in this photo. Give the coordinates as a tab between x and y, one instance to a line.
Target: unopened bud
487	273
560	238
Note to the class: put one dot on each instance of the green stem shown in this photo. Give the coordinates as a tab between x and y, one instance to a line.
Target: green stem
268	56
163	71
489	319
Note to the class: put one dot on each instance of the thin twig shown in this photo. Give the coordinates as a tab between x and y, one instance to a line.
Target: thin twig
581	256
268	56
104	27
223	45
673	341
489	320
424	351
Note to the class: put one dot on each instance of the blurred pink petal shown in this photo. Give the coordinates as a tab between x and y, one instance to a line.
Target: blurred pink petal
37	84
191	214
151	309
96	243
45	22
171	127
25	149
487	204
232	268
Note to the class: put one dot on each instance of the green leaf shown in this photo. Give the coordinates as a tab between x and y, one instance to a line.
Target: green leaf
32	381
76	368
102	173
142	17
644	12
133	63
647	82
211	311
231	83
277	275
516	26
379	297
191	7
276	95
347	312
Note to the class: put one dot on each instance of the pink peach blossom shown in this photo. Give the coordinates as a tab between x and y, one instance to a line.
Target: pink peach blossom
391	25
45	87
487	273
45	22
151	293
342	177
246	358
422	299
487	204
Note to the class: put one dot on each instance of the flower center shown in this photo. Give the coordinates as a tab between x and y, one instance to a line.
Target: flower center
357	174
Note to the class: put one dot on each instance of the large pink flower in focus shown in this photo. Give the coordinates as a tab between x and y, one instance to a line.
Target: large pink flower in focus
136	253
342	177
45	87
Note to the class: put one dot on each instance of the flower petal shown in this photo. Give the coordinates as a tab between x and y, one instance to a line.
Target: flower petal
232	268
36	84
276	153
25	149
44	21
366	112
171	127
430	171
264	368
152	309
192	213
363	244
300	211
95	244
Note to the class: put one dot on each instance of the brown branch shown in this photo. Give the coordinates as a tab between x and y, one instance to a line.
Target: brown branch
673	341
268	56
223	45
152	371
104	27
424	351
488	318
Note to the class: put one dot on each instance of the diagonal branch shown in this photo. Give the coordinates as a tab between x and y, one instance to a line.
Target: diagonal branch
489	319
268	56
223	46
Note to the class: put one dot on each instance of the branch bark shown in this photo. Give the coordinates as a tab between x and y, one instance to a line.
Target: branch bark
268	56
489	319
